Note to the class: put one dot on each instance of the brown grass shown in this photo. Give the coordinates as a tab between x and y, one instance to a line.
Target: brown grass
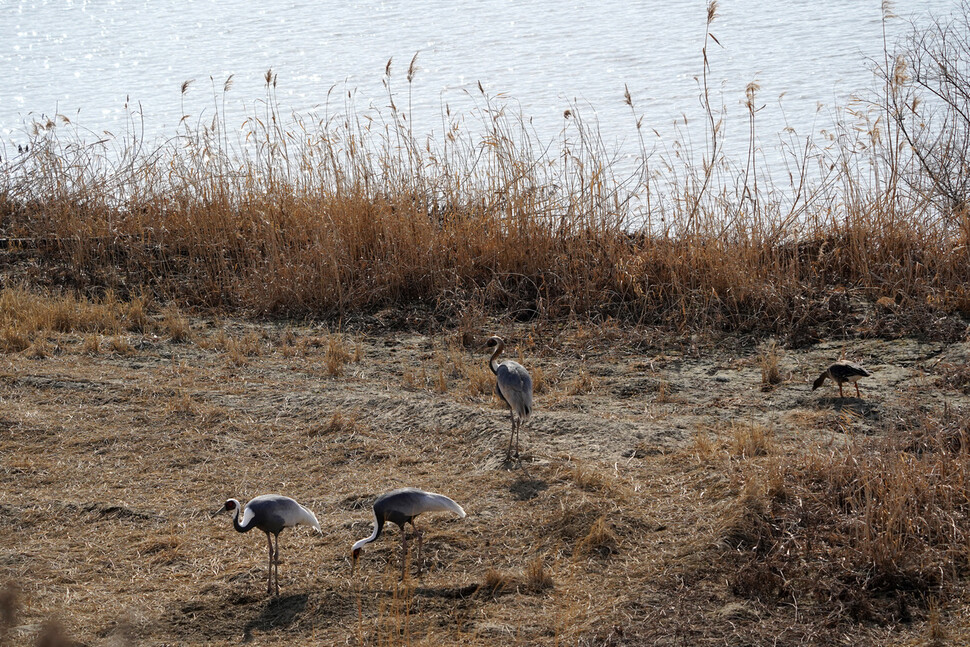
568	547
770	371
873	528
462	229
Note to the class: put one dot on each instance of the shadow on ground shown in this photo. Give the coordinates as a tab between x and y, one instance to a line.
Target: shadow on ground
278	613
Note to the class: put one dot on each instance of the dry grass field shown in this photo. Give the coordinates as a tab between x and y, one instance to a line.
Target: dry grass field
673	490
300	306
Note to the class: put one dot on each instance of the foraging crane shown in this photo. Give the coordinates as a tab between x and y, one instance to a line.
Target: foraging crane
841	372
402	506
514	385
270	513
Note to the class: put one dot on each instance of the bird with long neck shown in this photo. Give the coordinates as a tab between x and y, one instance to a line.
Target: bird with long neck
270	513
401	507
514	385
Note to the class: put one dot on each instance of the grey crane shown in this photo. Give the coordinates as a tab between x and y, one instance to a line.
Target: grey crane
841	372
514	385
402	506
270	513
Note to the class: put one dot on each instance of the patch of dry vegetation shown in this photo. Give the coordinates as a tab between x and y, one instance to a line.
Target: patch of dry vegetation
876	530
328	218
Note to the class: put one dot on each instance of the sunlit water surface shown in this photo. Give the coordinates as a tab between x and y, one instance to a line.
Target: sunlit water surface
101	61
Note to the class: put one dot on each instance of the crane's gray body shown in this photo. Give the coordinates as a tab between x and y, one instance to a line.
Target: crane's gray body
514	385
273	512
402	506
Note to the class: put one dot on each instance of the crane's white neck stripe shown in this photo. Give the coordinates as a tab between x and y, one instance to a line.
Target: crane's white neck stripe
377	530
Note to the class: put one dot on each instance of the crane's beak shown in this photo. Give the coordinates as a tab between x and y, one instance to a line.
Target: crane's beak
216	513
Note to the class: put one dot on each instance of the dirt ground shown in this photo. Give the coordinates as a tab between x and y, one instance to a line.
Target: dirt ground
114	452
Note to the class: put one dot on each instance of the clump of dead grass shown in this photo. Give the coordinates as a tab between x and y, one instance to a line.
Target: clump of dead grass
770	370
581	384
339	423
749	440
40	349
954	375
588	478
533	578
91	344
121	345
496	581
600	541
336	355
175	326
882	519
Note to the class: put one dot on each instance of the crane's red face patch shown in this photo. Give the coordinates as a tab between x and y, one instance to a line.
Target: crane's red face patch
230	505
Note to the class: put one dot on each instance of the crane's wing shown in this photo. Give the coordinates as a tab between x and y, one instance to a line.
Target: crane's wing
515	386
412	502
283	510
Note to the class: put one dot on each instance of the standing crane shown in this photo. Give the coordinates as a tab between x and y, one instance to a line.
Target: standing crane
514	385
270	513
402	506
841	372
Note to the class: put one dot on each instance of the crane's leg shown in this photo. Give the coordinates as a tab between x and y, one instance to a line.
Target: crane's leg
269	573
420	536
857	391
518	427
276	564
508	454
404	552
840	390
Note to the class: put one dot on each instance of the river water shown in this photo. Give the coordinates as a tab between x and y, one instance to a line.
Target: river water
100	61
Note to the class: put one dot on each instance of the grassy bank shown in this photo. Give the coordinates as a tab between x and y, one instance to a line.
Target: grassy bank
351	213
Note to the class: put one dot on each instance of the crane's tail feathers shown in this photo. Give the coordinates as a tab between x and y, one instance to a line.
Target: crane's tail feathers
311	519
439	502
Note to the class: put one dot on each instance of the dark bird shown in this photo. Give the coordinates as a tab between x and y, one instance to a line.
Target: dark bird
270	513
514	385
401	507
841	372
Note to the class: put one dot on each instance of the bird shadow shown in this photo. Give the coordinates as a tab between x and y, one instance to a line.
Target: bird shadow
278	613
853	406
449	592
525	487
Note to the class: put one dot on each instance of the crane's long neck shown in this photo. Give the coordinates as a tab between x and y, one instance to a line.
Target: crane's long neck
493	361
235	520
378	526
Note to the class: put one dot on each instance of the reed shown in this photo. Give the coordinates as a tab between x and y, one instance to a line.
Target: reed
347	212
